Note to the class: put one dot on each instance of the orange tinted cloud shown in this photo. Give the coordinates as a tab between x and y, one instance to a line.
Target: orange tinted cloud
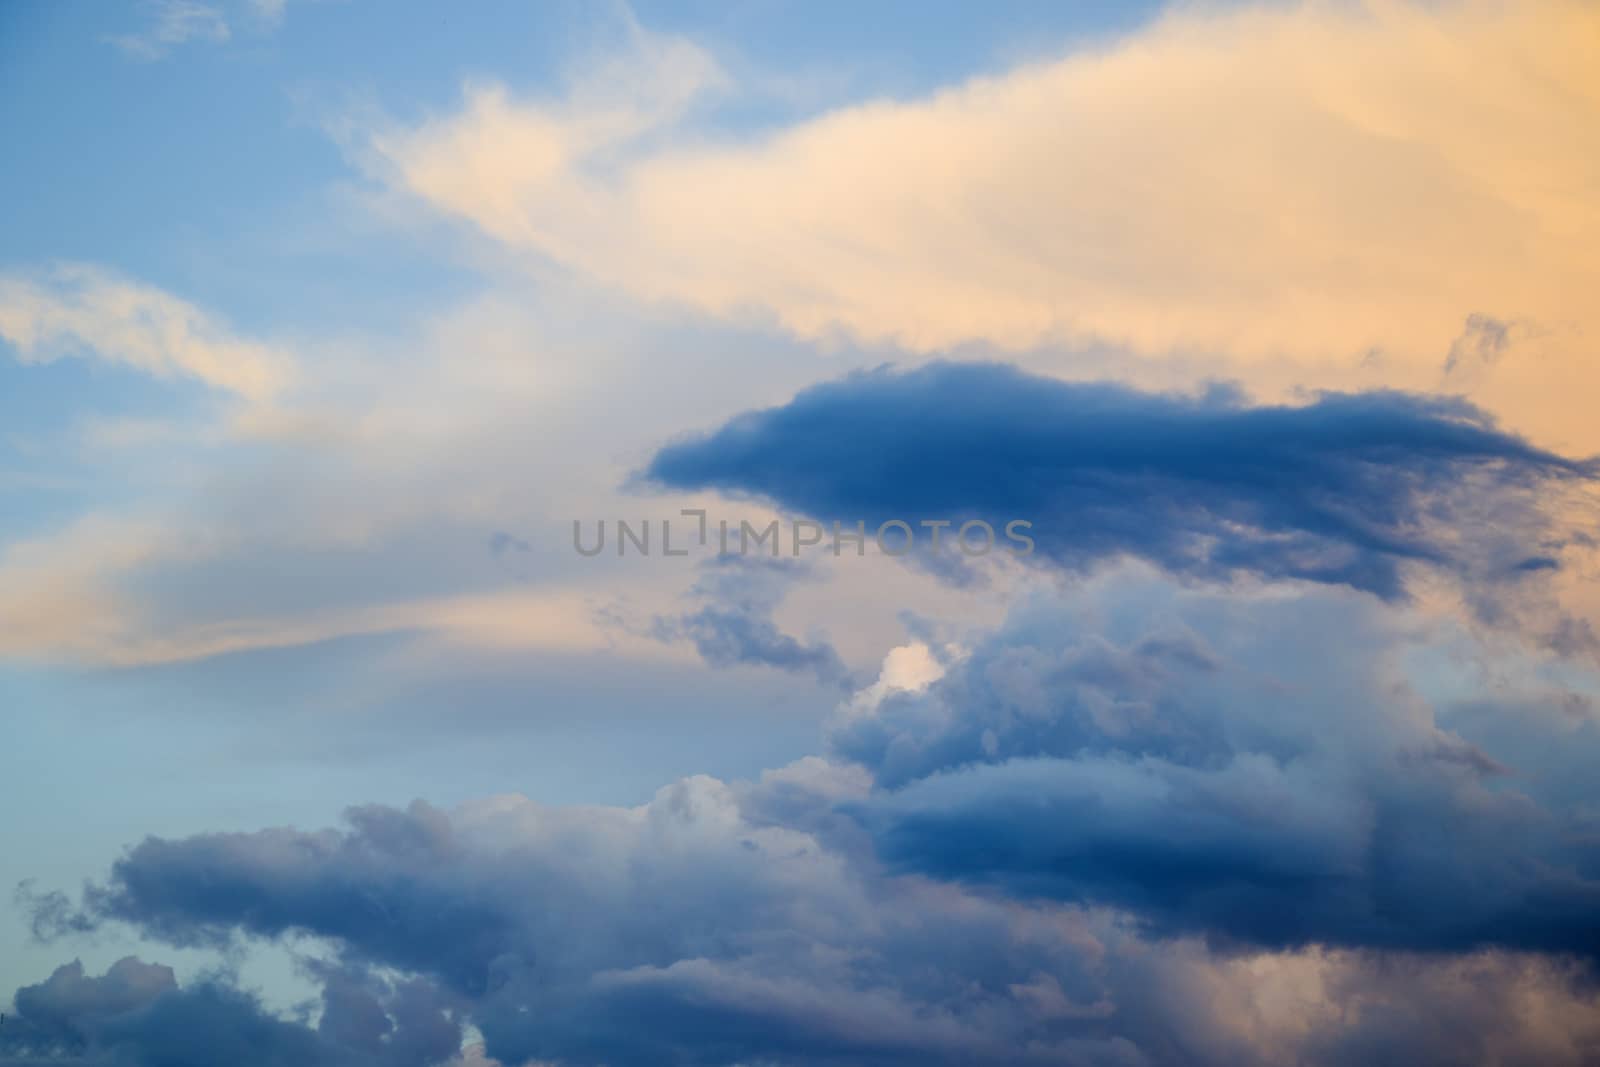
1335	186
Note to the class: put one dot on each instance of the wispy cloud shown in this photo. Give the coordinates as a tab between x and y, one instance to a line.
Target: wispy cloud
77	310
269	11
171	23
733	625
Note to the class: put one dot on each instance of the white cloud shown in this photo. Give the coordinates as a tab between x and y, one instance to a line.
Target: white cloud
171	23
82	310
269	11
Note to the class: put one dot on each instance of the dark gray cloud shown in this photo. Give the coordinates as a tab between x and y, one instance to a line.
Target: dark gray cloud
202	890
1347	489
732	622
1483	342
1121	829
700	929
1266	771
137	1015
62	1013
1058	769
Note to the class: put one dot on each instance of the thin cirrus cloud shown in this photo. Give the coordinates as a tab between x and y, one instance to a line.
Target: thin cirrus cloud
170	24
1348	489
1358	183
66	598
318	465
77	310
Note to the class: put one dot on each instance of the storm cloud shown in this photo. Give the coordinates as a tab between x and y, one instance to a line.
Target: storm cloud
737	923
1105	834
137	1015
1275	770
1347	489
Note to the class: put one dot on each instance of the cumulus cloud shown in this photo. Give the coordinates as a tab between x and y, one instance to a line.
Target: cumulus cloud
722	924
696	929
80	310
1144	825
1345	489
137	1015
1266	769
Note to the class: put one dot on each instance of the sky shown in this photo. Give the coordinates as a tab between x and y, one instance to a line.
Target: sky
1178	644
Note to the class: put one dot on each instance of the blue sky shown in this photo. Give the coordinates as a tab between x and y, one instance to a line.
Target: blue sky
321	323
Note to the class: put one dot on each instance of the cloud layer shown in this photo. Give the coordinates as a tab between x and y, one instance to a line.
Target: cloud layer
1233	784
1105	835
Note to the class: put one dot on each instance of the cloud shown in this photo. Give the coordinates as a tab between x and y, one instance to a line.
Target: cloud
1265	769
750	922
54	600
1484	341
56	1009
734	625
335	501
1345	489
689	930
1142	824
136	1015
1284	184
270	11
515	154
73	596
80	310
1130	838
171	23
